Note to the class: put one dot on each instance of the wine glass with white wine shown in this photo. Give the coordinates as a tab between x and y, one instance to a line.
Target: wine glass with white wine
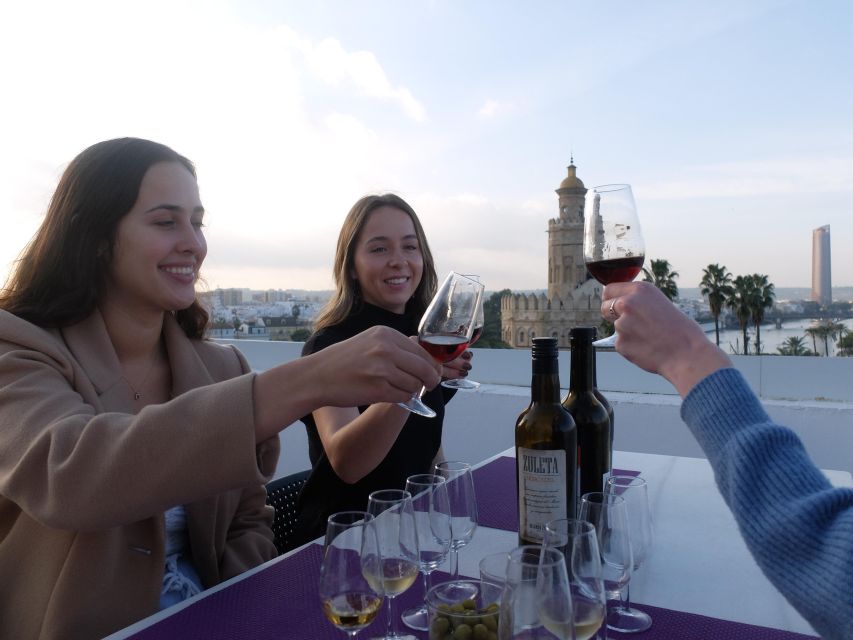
394	521
351	552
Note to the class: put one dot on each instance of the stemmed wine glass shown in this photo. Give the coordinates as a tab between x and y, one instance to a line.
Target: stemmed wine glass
613	247
463	508
608	513
447	326
577	541
394	521
634	491
479	323
350	553
431	506
537	596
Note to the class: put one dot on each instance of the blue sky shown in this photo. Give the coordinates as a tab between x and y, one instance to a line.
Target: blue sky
731	120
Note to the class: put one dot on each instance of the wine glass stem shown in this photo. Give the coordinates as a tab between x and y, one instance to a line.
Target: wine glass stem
625	601
454	563
426	584
392	627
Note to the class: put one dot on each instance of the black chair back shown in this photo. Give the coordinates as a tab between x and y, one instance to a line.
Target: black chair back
282	494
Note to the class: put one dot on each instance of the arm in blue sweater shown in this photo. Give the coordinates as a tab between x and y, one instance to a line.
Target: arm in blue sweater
797	526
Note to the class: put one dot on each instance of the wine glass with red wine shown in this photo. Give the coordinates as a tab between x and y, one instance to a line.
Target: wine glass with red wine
613	247
447	326
479	323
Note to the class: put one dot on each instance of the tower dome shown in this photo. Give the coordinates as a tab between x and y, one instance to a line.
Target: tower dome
572	181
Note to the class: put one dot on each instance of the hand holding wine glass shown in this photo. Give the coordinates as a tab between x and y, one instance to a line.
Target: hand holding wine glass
447	326
350	553
613	247
394	522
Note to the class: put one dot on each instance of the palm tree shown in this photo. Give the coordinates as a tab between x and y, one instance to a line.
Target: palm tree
762	298
823	330
662	277
794	346
739	302
717	285
845	343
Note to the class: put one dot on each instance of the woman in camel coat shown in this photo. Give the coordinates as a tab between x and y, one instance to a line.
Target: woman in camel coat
133	453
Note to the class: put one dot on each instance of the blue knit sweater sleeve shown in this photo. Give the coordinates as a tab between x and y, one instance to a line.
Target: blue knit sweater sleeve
798	527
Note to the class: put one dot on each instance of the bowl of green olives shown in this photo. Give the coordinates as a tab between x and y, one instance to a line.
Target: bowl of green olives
458	611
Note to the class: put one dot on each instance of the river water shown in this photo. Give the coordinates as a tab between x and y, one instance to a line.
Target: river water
731	340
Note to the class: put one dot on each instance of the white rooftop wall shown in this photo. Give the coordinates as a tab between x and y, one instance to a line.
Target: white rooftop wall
813	396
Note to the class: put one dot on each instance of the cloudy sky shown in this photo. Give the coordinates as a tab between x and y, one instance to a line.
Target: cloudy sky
732	120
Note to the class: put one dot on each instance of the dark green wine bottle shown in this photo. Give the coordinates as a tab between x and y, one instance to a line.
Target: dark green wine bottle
603	400
590	416
545	450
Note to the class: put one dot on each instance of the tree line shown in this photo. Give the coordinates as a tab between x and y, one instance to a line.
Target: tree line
748	297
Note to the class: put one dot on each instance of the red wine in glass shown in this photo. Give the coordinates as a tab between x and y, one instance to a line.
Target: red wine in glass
478	331
613	247
444	348
615	270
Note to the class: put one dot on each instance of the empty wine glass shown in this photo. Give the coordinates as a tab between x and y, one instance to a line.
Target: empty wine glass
634	491
431	507
537	596
479	323
613	247
394	522
350	553
608	513
463	507
447	326
577	541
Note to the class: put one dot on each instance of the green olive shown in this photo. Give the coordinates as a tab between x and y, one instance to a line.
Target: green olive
469	604
440	625
463	632
480	632
491	622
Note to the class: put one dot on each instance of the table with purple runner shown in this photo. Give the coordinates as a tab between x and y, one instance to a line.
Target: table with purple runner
281	600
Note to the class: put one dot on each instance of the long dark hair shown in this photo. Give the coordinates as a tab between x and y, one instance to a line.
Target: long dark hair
347	294
60	274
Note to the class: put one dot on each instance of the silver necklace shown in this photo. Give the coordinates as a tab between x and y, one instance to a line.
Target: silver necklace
137	395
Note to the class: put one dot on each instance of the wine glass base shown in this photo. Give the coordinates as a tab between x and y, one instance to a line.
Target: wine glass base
416	618
628	620
416	406
460	383
396	636
605	343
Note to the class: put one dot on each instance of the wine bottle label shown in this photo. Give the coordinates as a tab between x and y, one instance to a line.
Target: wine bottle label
541	490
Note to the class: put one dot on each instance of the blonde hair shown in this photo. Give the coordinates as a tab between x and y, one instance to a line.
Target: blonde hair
347	296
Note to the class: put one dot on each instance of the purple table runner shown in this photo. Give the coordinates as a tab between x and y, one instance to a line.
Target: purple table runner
281	601
497	495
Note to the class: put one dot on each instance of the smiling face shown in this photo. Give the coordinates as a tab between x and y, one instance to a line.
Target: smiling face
388	262
159	245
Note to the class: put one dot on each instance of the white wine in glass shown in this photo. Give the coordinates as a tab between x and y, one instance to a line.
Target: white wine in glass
351	551
394	521
613	246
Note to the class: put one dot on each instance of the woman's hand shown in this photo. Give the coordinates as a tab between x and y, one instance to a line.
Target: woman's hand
654	334
459	367
378	365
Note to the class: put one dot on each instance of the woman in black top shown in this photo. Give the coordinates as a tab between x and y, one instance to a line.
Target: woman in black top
384	275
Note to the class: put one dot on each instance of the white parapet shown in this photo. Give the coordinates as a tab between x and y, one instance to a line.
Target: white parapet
813	396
